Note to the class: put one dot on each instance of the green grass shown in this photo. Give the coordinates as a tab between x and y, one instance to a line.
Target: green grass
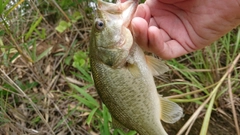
46	84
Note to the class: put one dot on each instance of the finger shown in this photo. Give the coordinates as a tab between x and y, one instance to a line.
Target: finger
139	25
152	22
170	2
162	33
139	29
143	12
162	45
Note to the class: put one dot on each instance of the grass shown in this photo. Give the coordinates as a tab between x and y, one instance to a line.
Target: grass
208	78
46	85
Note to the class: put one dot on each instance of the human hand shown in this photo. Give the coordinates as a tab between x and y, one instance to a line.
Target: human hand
177	27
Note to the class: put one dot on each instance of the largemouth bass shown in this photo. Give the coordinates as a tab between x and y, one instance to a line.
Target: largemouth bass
123	74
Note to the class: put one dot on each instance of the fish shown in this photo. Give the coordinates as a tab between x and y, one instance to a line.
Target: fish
124	76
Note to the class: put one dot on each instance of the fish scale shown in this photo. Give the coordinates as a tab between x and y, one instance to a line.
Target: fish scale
117	89
123	75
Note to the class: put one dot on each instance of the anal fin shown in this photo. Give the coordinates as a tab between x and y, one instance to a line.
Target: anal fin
170	111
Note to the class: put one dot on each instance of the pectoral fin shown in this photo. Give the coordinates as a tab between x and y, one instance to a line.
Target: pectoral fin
134	70
170	111
156	66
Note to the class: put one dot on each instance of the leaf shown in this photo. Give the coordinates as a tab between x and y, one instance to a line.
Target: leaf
90	116
85	75
1	7
33	27
13	7
76	16
67	60
41	34
88	99
36	120
45	53
131	133
2	46
207	117
176	91
62	26
2	32
106	120
85	102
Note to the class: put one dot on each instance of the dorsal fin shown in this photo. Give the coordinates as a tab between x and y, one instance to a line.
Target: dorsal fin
157	66
170	111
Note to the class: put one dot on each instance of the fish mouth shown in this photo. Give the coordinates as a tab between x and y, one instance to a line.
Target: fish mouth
130	8
126	9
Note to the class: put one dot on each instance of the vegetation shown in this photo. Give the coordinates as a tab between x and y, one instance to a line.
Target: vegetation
46	85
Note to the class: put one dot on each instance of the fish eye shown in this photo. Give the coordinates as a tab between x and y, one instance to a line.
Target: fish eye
99	24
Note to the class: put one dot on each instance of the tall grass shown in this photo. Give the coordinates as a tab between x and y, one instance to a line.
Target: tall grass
205	74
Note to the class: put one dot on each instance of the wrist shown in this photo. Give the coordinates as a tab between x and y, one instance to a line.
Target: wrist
229	11
238	11
234	13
